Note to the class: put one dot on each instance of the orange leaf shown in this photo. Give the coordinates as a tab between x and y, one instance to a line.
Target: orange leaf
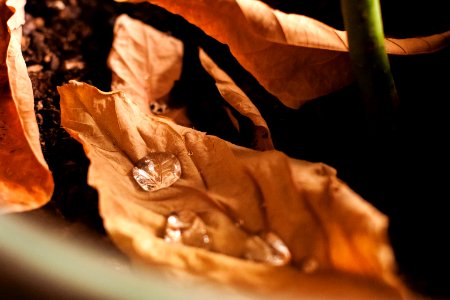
239	101
146	63
294	57
25	181
237	193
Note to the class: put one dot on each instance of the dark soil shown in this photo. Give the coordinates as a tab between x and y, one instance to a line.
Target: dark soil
400	169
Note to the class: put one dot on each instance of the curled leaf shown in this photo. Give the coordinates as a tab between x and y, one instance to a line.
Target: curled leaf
237	193
294	57
25	180
239	101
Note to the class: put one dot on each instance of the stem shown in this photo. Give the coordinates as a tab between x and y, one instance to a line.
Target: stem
364	26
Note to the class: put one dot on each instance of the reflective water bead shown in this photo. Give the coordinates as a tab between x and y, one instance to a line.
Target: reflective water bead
188	228
268	248
157	170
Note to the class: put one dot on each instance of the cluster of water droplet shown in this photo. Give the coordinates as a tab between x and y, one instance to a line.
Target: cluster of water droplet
160	170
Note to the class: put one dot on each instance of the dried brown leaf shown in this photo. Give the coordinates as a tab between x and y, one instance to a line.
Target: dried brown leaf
315	214
145	62
294	57
25	180
239	101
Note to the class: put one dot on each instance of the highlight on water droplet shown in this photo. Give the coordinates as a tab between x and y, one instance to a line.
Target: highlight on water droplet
267	248
156	171
309	265
186	227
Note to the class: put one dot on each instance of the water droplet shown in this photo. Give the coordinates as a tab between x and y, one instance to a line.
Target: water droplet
268	248
157	170
309	265
188	228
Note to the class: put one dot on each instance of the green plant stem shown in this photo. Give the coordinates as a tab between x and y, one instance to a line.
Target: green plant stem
364	26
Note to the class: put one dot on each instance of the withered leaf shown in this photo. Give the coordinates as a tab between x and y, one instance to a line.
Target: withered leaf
145	63
294	57
314	213
25	180
239	101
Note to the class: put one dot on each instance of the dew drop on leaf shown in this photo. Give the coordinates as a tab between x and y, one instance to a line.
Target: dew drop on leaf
186	227
156	171
267	248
